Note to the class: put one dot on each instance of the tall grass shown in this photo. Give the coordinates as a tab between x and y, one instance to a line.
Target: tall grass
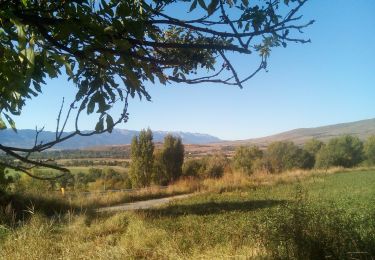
238	216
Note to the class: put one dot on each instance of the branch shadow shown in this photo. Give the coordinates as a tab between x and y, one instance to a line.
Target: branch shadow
209	208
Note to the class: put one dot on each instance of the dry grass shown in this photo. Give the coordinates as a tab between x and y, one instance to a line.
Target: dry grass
230	181
121	236
224	234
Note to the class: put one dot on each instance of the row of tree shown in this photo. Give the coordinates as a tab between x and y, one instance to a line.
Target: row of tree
155	166
345	151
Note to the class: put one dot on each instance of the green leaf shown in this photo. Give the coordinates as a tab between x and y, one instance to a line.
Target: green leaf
202	4
212	6
21	35
90	106
100	125
2	124
69	70
11	122
110	124
193	5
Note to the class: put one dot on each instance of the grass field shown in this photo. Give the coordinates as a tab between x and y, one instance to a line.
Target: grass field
323	216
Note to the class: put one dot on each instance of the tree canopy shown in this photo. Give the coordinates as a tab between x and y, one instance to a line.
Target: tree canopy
111	49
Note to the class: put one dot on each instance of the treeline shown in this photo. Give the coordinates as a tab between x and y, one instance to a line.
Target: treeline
345	151
151	166
88	163
167	165
112	152
92	180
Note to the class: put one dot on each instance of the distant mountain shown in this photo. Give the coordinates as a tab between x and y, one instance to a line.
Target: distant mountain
361	129
26	138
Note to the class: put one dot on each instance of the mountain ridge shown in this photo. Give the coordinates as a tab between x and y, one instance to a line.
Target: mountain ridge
362	129
26	138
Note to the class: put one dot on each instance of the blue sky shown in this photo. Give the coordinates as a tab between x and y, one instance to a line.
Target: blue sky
331	80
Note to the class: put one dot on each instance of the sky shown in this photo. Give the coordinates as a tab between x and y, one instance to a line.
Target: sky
330	80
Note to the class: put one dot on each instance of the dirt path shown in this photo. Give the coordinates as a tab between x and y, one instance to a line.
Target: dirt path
146	204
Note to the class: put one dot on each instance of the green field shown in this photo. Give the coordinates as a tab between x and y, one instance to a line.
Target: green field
323	216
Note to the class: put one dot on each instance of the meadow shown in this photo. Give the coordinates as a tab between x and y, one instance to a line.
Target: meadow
297	215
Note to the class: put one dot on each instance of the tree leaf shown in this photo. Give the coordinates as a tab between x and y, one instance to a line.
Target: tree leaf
100	125
212	6
11	122
202	4
2	124
110	124
193	5
245	3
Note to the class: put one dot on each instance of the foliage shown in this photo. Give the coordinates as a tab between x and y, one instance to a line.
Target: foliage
111	49
369	150
313	146
192	167
245	157
4	179
345	151
141	167
282	156
159	174
173	156
94	43
214	166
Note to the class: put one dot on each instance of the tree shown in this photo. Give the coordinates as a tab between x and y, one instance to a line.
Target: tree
345	151
192	168
283	156
313	146
109	49
168	161
369	150
245	157
141	167
213	166
159	175
173	156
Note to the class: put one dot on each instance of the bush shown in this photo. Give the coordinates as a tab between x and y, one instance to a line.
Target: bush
245	157
345	151
214	166
282	156
369	150
192	168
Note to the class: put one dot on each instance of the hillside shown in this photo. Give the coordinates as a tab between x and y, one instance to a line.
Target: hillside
361	129
25	138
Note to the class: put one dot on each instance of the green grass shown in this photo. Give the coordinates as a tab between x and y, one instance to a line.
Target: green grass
322	216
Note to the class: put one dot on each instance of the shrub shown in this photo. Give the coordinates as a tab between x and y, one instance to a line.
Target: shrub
192	168
245	158
369	150
214	166
282	156
345	151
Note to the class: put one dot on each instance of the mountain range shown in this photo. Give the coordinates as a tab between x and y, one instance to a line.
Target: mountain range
26	137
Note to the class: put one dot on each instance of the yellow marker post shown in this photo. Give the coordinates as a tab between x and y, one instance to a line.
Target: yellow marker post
63	191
